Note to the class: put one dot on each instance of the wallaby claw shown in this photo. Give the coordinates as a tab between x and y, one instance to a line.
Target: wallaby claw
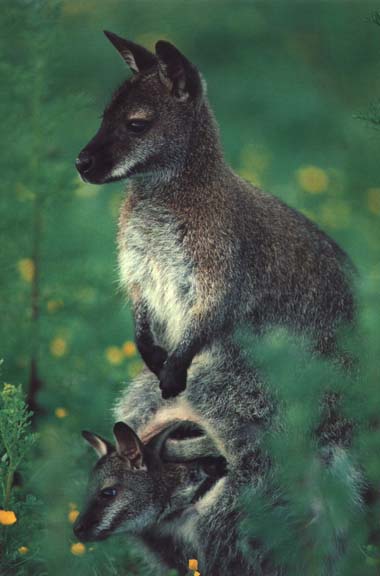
172	381
154	358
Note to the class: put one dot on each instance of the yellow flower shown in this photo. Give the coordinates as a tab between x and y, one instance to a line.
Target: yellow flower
58	347
78	549
114	355
73	515
23	549
193	564
196	573
312	179
60	412
129	349
373	195
27	269
54	305
7	517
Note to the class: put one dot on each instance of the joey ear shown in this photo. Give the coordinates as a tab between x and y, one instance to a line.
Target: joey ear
129	445
135	56
177	73
101	446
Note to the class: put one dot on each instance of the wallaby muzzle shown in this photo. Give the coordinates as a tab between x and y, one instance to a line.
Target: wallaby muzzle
94	162
85	528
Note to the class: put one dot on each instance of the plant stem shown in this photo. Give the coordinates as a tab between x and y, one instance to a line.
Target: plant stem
8	486
34	380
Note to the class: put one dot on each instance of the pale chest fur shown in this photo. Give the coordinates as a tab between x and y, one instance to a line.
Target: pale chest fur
152	258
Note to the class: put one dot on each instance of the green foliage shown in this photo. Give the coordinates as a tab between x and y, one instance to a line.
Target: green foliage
19	506
15	438
310	516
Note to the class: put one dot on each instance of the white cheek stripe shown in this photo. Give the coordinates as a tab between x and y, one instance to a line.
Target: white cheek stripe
122	168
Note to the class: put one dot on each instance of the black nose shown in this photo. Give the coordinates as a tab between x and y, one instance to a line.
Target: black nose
84	162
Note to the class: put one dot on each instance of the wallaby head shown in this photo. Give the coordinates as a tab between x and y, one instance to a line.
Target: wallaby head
121	488
147	126
131	488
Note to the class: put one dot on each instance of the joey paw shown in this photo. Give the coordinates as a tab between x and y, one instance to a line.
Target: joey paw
158	359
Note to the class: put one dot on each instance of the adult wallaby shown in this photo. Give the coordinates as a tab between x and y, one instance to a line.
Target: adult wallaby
200	249
134	489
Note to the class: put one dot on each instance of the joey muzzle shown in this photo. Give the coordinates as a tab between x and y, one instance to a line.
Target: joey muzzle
84	529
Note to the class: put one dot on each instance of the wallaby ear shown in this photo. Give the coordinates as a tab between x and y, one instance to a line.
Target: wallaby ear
101	446
136	57
129	445
177	73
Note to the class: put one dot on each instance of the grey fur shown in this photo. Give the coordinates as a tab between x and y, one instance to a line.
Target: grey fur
180	451
200	250
234	419
226	398
233	416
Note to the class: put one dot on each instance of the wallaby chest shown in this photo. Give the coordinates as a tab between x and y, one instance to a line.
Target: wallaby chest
153	262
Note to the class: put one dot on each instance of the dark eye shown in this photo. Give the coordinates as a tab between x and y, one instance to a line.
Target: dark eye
108	492
138	126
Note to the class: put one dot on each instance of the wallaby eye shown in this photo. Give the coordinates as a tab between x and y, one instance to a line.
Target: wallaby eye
137	126
108	492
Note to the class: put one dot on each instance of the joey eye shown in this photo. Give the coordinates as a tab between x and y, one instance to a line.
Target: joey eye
108	492
138	126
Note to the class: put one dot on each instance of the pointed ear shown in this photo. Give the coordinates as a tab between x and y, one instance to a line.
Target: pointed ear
135	56
129	445
101	446
177	73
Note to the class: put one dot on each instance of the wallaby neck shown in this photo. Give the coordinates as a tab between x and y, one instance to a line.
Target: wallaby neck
205	157
202	166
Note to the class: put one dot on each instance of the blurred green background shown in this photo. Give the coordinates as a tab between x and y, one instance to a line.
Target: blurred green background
289	82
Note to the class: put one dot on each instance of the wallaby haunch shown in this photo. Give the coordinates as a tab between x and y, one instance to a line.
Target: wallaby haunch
201	250
134	490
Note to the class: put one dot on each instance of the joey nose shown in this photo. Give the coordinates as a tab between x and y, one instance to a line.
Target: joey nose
84	163
79	529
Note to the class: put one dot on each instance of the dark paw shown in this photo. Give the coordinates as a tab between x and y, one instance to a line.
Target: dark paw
172	381
154	357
